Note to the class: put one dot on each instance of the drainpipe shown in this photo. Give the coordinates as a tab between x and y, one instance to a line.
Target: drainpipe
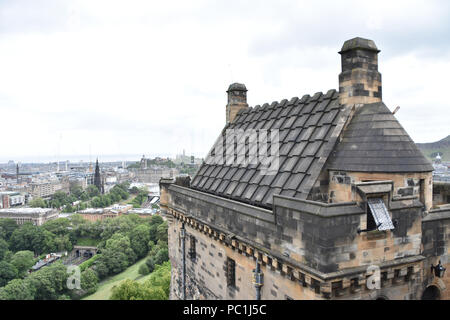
258	279
183	274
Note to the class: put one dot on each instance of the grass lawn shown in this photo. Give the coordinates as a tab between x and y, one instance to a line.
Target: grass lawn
105	287
88	242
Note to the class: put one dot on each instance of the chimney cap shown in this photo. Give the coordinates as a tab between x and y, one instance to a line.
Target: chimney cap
237	87
359	43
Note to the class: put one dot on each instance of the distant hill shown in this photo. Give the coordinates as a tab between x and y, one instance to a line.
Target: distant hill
431	149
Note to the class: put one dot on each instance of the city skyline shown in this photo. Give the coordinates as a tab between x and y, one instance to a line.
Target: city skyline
86	158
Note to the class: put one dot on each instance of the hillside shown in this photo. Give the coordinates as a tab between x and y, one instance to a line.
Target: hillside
104	290
431	149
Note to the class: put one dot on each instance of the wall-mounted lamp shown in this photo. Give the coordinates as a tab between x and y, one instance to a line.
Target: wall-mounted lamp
439	270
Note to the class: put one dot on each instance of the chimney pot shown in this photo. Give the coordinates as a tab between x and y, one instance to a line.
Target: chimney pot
359	81
237	100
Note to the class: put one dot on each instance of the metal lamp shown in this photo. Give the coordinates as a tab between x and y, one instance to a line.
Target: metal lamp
438	270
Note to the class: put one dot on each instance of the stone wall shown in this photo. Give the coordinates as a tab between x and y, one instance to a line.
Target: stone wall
441	193
341	185
206	274
308	250
436	247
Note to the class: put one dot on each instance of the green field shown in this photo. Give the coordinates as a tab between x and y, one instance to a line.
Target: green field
105	287
87	242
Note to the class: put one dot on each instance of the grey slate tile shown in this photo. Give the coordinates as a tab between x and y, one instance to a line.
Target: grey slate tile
298	151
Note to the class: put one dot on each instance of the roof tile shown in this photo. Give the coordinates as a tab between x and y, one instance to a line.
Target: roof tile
299	122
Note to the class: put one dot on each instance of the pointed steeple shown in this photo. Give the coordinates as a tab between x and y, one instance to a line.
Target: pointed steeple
97	179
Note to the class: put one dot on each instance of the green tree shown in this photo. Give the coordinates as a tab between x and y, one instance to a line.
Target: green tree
3	248
63	243
23	261
101	268
157	287
7	227
117	255
28	237
49	242
82	206
60	198
68	208
134	190
150	262
77	191
162	256
95	202
112	262
143	269
161	278
58	226
7	272
84	196
55	203
49	281
128	290
156	220
133	290
17	289
92	191
89	281
139	237
37	203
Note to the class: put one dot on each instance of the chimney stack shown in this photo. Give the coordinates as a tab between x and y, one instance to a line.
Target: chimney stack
237	100
359	81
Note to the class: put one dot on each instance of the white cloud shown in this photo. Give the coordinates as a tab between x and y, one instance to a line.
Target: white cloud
133	77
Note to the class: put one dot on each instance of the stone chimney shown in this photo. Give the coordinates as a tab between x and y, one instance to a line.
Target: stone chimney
359	81
237	100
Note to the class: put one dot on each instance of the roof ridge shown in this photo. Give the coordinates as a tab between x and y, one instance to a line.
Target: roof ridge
306	98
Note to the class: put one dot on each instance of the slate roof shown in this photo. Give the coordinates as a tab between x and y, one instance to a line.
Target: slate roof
374	141
308	129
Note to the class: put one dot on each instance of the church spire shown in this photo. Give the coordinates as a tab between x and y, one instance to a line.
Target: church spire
97	179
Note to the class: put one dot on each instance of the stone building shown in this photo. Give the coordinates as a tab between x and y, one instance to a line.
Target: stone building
114	211
36	216
337	205
44	189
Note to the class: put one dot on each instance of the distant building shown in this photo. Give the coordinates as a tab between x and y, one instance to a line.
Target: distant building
10	199
154	174
143	212
44	189
143	163
94	214
37	216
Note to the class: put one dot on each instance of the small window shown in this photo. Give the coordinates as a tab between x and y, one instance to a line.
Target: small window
192	252
378	215
371	225
231	272
422	191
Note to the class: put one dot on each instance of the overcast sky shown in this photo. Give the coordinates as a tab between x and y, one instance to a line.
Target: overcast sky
106	77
